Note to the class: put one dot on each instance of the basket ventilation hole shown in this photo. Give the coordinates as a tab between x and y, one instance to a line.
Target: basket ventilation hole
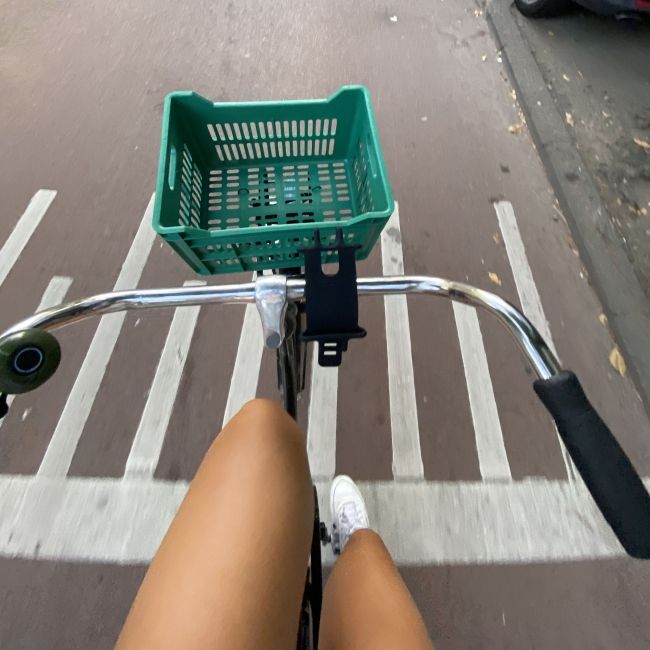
236	141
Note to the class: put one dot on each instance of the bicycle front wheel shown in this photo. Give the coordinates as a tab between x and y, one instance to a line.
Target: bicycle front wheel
290	361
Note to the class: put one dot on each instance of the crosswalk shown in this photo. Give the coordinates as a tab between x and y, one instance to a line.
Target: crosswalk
407	456
149	438
53	515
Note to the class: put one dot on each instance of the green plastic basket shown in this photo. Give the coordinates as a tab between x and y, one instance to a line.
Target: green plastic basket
243	186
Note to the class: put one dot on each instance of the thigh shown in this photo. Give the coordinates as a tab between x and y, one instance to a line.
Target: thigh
366	604
230	572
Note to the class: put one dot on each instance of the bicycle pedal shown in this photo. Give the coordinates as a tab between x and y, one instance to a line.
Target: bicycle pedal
335	540
325	537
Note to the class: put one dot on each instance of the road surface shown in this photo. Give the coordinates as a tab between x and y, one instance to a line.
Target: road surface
497	541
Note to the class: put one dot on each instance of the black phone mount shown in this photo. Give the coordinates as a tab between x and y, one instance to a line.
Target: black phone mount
331	301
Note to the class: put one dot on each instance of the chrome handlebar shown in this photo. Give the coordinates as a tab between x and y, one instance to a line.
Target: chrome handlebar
271	294
29	356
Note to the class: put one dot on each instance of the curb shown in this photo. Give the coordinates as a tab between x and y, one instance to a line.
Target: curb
610	271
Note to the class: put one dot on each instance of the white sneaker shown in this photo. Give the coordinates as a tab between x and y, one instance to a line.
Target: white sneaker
348	511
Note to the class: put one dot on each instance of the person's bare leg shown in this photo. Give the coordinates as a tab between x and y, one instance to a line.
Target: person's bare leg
366	604
230	572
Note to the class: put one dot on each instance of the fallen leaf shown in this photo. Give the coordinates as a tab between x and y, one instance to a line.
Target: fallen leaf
494	278
569	119
516	128
606	114
644	144
424	118
550	33
497	238
571	243
566	77
484	58
617	361
393	19
603	319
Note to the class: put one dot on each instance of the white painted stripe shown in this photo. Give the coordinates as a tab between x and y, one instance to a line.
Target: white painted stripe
60	451
23	230
531	303
405	432
54	294
492	457
111	520
84	516
150	436
321	431
245	374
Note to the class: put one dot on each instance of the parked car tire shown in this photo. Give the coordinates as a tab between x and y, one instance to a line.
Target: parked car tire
542	8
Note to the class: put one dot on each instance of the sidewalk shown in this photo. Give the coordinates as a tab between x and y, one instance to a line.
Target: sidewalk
583	85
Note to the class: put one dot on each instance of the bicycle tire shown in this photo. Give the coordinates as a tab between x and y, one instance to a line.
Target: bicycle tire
289	363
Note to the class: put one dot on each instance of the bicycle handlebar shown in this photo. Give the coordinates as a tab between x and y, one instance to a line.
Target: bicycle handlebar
606	470
540	356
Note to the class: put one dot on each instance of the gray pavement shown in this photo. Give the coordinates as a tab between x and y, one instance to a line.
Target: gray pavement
498	555
595	235
597	71
582	85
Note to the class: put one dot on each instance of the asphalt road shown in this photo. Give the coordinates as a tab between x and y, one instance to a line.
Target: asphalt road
498	544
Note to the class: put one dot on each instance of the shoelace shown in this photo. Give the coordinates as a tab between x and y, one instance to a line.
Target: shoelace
349	516
350	521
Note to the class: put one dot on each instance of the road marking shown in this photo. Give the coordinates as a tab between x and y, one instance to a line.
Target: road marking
63	444
150	436
531	303
111	520
321	430
23	230
53	295
405	432
55	292
84	517
245	374
492	457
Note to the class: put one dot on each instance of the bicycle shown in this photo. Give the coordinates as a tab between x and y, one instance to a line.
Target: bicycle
296	293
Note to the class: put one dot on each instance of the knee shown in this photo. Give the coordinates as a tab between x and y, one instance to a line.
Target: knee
268	420
263	409
367	541
264	428
269	444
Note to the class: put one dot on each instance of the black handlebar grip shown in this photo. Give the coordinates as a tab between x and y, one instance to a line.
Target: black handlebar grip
603	465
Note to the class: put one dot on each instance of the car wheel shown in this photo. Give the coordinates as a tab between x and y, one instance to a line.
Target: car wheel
542	8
